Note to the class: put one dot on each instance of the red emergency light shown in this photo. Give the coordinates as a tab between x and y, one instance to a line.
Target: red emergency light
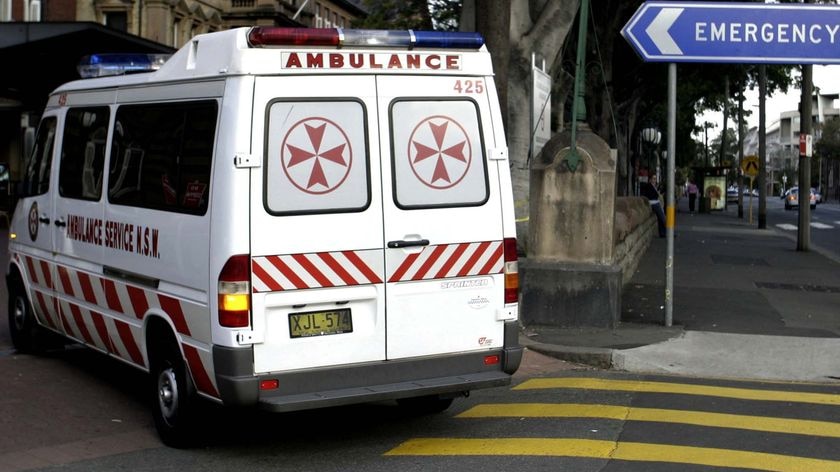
268	36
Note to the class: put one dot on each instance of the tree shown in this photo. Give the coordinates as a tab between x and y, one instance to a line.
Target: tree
828	150
829	144
623	94
396	14
536	26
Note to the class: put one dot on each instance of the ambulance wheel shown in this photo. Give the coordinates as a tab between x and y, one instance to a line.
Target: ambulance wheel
27	335
174	396
425	405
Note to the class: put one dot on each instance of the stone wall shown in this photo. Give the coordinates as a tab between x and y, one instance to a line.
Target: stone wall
635	226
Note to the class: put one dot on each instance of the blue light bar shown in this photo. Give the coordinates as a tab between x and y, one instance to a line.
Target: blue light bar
102	65
444	39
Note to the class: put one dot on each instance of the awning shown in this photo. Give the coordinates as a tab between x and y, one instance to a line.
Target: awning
38	57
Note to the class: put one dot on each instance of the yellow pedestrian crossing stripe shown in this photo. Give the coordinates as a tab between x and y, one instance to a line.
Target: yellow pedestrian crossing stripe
681	389
624	413
598	449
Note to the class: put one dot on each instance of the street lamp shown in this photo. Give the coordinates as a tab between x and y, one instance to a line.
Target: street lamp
652	137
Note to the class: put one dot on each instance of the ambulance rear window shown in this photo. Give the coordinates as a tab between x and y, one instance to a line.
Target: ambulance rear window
438	154
316	157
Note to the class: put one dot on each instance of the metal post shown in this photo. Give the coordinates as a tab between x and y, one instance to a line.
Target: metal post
762	147
805	109
578	104
670	213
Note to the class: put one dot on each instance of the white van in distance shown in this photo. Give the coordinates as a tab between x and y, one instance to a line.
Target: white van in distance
279	218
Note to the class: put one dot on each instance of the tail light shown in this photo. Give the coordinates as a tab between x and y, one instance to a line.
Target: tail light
235	292
511	271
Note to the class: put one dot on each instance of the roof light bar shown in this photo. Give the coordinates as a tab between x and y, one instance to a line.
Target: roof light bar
102	65
262	36
268	36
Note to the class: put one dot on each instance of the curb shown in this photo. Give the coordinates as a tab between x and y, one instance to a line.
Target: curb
593	356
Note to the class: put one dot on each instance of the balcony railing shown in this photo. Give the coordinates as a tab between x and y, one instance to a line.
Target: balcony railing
243	3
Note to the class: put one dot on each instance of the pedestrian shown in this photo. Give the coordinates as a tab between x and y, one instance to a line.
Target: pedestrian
692	192
648	189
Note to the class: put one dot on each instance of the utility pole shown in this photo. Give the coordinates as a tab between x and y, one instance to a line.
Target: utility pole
762	147
736	167
803	238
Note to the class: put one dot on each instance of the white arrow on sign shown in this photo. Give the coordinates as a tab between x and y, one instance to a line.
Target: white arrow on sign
658	31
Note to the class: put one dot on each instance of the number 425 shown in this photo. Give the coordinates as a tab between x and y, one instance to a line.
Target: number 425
469	86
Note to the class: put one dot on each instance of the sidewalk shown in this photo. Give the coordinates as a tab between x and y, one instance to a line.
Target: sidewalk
746	304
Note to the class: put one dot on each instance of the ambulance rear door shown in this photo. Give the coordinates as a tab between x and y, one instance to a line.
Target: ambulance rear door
316	224
443	216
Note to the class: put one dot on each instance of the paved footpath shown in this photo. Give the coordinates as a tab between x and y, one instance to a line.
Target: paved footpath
746	305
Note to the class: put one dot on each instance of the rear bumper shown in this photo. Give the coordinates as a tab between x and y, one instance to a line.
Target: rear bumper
359	383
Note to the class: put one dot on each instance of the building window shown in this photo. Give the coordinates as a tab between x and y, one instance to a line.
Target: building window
176	32
117	20
5	10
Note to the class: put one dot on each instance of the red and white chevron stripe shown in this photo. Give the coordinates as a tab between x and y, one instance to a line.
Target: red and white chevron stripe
316	270
448	260
107	314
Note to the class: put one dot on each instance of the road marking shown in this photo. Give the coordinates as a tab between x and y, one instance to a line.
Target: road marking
680	389
628	451
790	227
624	413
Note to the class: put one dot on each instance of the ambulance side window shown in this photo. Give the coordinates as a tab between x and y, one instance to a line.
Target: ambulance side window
438	153
83	153
161	156
36	180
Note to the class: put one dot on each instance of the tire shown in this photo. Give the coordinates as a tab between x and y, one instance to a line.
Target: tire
28	337
174	398
425	405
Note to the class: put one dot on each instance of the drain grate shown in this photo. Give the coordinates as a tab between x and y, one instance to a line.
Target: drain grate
738	260
798	287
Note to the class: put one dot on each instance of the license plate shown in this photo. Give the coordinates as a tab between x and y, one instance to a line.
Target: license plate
320	323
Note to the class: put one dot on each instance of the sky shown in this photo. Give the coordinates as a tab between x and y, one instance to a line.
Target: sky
827	78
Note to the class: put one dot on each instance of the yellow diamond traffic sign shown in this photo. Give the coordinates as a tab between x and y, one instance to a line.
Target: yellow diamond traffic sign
749	165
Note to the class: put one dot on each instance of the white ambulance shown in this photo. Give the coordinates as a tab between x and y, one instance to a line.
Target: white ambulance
275	217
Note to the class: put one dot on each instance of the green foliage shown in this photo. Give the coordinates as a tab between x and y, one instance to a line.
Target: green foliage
411	14
828	146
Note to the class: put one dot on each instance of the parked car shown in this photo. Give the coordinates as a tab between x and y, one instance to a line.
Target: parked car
791	198
732	193
817	194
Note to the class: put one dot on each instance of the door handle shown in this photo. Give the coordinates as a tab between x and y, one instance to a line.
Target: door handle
403	243
60	222
44	219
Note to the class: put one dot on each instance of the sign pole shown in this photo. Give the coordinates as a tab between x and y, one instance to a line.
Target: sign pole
803	238
671	213
762	147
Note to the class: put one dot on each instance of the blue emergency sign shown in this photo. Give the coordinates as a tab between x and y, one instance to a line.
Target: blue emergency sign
724	32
